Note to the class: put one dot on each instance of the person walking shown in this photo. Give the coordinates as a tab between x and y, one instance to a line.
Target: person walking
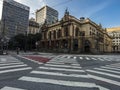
18	49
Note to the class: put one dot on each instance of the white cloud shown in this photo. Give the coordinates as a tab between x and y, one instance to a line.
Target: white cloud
20	1
94	9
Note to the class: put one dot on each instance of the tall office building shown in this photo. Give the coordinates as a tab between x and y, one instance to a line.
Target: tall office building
46	14
15	18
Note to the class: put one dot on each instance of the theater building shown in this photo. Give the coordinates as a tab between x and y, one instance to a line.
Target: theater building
74	35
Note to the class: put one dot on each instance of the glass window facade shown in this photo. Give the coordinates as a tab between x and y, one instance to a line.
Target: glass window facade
15	18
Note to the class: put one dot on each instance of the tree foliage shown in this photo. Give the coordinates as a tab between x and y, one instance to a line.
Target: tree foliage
24	41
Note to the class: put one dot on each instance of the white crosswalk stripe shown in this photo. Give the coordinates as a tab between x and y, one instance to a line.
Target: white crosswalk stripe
87	58
13	66
8	65
61	73
110	68
107	70
65	71
102	59
74	57
81	58
61	69
62	66
11	88
14	63
106	74
58	82
94	58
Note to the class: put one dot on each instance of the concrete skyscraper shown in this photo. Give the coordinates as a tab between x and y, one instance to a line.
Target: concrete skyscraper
15	18
46	14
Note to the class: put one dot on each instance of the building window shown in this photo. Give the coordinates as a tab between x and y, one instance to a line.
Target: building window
49	35
77	32
59	34
82	33
90	33
54	34
90	28
66	31
44	35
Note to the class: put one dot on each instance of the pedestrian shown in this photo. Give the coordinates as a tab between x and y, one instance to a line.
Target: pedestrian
18	49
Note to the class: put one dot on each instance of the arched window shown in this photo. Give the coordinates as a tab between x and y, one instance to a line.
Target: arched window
44	35
59	33
54	34
66	33
77	32
49	35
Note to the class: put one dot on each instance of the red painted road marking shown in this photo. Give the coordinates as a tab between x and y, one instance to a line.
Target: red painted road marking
38	58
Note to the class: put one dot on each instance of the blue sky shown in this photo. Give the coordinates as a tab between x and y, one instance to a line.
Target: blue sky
105	12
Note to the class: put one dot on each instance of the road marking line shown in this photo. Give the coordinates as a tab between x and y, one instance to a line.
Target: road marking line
107	70
63	63
59	82
104	79
101	59
94	58
11	88
103	73
13	70
59	74
75	64
68	57
81	58
87	58
55	63
102	88
110	68
61	69
13	66
115	65
11	63
63	66
74	57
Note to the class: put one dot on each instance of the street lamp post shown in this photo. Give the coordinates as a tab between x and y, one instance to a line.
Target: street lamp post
25	47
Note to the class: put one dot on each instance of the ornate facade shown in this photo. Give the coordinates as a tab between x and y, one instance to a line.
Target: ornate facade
75	36
115	34
33	27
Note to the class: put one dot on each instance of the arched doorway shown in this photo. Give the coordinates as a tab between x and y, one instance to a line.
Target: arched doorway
87	46
75	44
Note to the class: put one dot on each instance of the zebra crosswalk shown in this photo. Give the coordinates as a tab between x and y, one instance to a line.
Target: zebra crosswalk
54	75
10	65
87	58
65	73
107	76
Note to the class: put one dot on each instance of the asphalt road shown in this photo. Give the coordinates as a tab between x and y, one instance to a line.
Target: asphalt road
62	72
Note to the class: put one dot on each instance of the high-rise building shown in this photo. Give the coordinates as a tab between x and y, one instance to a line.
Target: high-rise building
46	14
15	18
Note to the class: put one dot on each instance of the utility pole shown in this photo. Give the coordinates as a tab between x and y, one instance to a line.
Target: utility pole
25	47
